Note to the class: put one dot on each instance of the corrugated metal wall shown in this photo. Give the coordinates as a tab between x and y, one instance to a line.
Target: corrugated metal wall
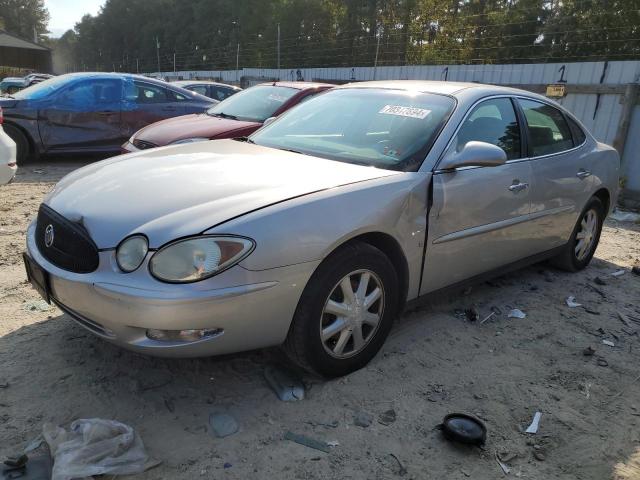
603	122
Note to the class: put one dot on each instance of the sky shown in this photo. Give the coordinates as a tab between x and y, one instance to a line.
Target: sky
65	13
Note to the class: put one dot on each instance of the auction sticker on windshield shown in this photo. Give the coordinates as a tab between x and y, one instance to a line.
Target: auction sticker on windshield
412	112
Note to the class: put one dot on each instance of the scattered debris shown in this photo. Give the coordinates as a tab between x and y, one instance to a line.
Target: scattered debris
623	319
308	442
464	428
362	419
571	302
506	457
284	383
539	455
599	281
37	306
533	428
618	273
487	317
39	171
333	443
624	216
17	462
472	314
589	351
504	467
227	465
602	362
387	418
333	424
402	470
222	424
517	313
608	343
95	447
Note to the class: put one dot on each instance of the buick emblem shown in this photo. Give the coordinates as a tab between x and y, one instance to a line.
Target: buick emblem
48	236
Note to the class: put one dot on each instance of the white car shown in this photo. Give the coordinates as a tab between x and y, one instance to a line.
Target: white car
8	164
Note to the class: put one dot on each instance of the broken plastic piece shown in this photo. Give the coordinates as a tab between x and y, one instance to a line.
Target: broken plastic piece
284	384
533	428
571	302
222	424
503	466
609	343
617	273
517	313
307	442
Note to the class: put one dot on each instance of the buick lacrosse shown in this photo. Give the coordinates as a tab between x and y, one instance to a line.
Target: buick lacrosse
316	231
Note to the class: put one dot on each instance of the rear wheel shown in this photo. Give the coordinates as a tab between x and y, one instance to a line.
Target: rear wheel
23	149
345	312
584	240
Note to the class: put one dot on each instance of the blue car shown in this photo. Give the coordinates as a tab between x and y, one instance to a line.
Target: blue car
91	112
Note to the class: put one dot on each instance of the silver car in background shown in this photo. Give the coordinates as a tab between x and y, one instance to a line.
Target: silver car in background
316	231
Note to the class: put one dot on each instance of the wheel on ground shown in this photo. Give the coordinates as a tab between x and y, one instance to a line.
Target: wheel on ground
22	143
345	312
584	240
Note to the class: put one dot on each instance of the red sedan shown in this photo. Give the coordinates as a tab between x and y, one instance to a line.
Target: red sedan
236	116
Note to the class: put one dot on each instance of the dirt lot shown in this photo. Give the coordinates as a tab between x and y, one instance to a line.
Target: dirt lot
51	370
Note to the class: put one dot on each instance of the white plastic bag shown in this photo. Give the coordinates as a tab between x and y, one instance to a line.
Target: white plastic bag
94	447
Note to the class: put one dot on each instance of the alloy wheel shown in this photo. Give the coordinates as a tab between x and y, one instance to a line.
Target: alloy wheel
352	314
586	235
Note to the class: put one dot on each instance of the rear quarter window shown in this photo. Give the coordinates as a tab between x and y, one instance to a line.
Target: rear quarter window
579	136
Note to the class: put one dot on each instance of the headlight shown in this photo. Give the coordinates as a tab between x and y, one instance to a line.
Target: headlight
190	140
131	253
198	258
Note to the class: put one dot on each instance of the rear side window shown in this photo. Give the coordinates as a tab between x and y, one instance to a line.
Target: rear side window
220	93
201	89
578	134
549	132
147	93
492	121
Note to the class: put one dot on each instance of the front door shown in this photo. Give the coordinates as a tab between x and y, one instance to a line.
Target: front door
478	219
86	115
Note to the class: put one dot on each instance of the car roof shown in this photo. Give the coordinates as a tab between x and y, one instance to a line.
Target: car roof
300	85
203	82
470	89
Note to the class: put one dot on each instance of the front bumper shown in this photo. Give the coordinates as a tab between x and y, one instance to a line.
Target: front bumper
253	308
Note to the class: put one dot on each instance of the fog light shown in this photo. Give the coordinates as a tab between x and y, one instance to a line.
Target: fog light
191	335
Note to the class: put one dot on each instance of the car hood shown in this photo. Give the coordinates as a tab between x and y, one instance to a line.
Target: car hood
176	191
189	126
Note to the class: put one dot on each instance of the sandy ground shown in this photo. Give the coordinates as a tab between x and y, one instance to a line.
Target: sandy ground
51	370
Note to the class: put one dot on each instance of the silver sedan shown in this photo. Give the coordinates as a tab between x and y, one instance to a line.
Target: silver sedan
317	231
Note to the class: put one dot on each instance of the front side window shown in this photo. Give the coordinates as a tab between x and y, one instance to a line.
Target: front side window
390	129
492	121
548	130
88	93
254	104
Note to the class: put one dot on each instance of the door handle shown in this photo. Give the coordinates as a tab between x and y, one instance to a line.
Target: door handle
582	173
516	187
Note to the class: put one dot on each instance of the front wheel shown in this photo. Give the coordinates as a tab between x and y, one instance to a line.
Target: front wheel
345	312
584	240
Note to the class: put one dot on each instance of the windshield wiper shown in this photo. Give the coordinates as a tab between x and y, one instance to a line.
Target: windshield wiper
224	115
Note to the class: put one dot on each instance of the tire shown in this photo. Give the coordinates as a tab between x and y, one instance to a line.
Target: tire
335	356
23	148
573	259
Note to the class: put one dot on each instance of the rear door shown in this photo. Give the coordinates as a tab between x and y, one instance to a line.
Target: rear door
478	219
86	115
147	103
561	171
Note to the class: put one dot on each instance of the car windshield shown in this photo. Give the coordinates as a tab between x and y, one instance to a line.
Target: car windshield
43	89
390	129
254	104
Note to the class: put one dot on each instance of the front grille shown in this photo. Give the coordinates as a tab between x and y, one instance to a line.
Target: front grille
142	145
69	246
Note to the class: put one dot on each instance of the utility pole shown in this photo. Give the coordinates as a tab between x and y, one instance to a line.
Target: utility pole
137	66
375	62
238	63
158	53
174	61
278	50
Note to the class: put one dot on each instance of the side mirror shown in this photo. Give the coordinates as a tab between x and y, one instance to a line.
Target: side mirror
268	121
474	154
